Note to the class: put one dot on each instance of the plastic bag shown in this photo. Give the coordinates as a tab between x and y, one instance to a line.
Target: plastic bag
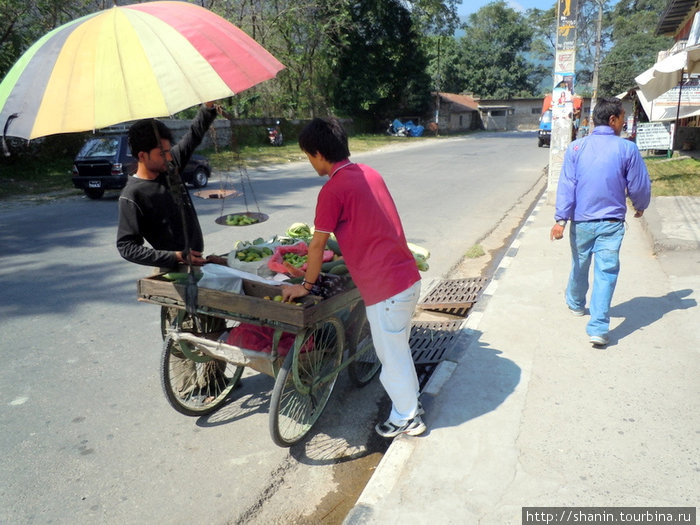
218	277
259	339
255	267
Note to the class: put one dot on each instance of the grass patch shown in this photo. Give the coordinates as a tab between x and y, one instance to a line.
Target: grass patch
257	156
30	176
474	252
674	177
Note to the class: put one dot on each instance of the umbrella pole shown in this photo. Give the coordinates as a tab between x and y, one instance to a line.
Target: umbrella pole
176	190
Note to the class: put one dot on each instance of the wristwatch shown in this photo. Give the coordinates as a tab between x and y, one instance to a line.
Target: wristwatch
561	222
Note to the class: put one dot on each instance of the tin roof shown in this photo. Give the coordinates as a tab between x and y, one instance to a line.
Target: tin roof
466	101
677	12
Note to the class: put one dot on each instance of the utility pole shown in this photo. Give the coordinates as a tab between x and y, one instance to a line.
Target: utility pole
563	91
596	65
438	85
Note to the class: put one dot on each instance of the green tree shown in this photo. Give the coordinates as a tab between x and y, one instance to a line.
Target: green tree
544	40
379	68
493	54
443	63
635	45
586	35
298	33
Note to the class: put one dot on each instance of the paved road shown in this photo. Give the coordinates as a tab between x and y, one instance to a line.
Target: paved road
87	436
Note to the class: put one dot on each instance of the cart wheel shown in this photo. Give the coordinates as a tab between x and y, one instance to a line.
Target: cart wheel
364	363
305	381
193	383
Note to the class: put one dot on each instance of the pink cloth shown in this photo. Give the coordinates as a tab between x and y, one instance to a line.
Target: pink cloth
355	205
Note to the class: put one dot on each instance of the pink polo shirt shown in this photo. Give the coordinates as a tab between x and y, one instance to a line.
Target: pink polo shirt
356	206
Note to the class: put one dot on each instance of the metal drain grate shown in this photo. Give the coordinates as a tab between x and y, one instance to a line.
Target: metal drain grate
430	340
424	372
454	296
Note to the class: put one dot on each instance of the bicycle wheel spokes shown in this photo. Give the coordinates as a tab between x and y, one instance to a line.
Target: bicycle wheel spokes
195	388
305	381
364	363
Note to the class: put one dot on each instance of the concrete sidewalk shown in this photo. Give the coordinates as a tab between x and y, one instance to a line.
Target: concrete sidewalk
525	412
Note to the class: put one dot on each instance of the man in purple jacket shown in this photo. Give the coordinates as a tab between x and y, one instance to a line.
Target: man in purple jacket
600	171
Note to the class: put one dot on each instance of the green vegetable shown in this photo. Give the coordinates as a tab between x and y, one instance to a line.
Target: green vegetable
295	259
252	254
419	250
181	277
421	263
174	276
339	269
299	230
327	266
332	244
240	220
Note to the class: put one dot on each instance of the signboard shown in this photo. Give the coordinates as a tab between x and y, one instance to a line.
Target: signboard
653	135
566	61
680	101
566	26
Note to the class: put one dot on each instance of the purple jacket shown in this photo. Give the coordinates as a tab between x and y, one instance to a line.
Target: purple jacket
599	172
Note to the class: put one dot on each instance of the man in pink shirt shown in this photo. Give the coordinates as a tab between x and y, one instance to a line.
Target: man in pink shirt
356	206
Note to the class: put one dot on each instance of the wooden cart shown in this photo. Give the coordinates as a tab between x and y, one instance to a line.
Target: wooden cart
199	369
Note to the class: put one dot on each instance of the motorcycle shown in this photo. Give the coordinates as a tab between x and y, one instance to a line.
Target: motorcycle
274	135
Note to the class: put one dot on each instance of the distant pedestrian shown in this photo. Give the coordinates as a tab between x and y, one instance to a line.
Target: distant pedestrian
600	171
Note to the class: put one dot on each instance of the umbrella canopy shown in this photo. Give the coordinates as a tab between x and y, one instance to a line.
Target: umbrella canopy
667	73
130	62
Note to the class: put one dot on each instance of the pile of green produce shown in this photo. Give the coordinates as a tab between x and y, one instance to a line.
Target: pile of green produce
253	253
241	220
295	259
300	230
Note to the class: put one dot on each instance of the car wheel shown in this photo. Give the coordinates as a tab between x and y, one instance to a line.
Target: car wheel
94	193
200	178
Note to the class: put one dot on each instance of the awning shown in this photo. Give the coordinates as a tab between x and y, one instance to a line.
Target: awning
667	73
678	102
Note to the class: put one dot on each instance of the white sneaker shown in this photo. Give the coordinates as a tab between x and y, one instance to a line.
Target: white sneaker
412	427
599	340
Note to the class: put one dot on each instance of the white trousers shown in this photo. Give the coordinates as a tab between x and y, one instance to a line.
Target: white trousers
390	324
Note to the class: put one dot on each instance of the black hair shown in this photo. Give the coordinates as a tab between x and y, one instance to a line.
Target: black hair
327	137
143	138
606	108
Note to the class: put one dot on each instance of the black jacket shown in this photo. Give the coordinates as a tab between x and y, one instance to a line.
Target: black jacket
148	209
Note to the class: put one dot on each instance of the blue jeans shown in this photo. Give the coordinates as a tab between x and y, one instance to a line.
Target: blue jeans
601	242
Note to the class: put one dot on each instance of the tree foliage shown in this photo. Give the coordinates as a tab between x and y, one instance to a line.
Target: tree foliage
381	58
492	57
379	68
633	24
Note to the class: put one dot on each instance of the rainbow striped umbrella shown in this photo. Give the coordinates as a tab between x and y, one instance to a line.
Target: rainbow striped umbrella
129	62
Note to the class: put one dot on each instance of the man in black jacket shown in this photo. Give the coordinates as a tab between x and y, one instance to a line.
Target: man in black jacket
152	204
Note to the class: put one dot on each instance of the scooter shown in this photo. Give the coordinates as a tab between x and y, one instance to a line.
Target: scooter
274	135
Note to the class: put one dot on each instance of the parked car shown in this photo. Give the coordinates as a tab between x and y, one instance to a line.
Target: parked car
104	163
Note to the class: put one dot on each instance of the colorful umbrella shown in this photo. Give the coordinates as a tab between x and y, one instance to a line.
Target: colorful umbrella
130	62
